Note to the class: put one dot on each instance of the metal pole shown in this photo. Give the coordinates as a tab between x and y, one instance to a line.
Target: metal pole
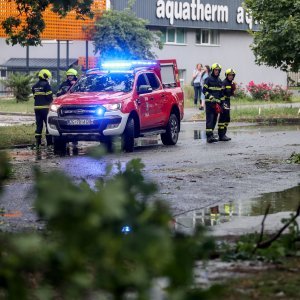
27	59
86	55
58	62
68	60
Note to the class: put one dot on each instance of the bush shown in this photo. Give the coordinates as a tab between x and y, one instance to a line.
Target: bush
240	91
20	85
84	250
268	92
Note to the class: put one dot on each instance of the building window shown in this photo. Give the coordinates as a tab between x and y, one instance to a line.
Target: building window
173	36
3	73
207	37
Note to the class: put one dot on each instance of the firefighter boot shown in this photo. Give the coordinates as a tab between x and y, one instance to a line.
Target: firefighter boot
224	138
211	139
38	141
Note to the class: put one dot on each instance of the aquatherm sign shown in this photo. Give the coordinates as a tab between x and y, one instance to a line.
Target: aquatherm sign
214	14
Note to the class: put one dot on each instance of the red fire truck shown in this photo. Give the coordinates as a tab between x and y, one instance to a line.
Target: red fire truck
130	99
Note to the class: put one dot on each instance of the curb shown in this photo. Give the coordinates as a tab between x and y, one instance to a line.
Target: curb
16	114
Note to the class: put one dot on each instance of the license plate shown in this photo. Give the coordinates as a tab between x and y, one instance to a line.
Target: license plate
80	122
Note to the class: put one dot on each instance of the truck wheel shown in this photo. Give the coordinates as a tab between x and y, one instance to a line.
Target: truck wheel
60	145
128	136
172	131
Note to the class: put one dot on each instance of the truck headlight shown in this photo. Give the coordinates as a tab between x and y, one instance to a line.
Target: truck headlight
112	106
100	111
54	107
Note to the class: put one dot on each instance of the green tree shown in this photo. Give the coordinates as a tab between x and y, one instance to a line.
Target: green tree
122	35
20	84
29	31
277	43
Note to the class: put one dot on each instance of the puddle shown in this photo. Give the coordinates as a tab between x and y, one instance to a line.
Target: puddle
199	135
149	141
285	201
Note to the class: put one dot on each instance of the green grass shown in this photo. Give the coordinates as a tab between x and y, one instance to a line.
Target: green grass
16	135
11	106
255	114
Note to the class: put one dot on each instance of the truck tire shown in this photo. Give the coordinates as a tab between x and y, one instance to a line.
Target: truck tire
172	131
59	145
128	136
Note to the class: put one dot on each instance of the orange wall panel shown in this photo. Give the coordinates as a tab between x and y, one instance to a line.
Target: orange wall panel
68	28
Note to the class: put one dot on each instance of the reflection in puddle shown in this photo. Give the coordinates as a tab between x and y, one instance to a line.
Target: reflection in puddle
285	201
149	141
199	135
210	216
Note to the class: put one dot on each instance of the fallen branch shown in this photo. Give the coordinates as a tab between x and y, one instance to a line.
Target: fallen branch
265	244
262	228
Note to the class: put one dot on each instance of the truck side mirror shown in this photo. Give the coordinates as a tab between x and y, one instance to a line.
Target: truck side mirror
145	89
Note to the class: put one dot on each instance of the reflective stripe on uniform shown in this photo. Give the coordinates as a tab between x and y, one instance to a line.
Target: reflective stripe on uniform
213	100
209	130
228	86
41	107
215	88
42	93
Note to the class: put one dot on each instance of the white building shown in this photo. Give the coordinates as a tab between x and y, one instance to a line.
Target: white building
205	31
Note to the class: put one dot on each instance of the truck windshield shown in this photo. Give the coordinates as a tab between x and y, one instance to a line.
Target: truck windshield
108	82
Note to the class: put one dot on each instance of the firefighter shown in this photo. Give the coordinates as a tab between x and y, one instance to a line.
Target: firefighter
66	85
213	91
224	120
43	97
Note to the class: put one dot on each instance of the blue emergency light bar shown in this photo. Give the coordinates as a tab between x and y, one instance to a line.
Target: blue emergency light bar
127	64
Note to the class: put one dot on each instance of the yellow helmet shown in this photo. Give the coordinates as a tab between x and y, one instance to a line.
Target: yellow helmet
45	74
216	66
71	72
229	71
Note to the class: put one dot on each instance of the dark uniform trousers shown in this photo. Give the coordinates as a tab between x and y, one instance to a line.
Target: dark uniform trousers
211	118
41	119
224	120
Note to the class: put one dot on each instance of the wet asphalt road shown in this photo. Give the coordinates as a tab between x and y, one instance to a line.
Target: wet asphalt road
191	175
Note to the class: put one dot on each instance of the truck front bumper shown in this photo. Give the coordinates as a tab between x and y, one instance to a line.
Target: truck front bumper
87	127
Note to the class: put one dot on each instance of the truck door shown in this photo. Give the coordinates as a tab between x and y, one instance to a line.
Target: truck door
156	100
143	103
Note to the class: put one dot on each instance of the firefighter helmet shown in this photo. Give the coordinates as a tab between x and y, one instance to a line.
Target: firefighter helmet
45	74
230	71
216	66
71	72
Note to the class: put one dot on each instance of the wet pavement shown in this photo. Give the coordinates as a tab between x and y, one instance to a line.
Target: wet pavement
213	184
9	120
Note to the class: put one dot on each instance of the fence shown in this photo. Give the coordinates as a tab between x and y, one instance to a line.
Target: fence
293	79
